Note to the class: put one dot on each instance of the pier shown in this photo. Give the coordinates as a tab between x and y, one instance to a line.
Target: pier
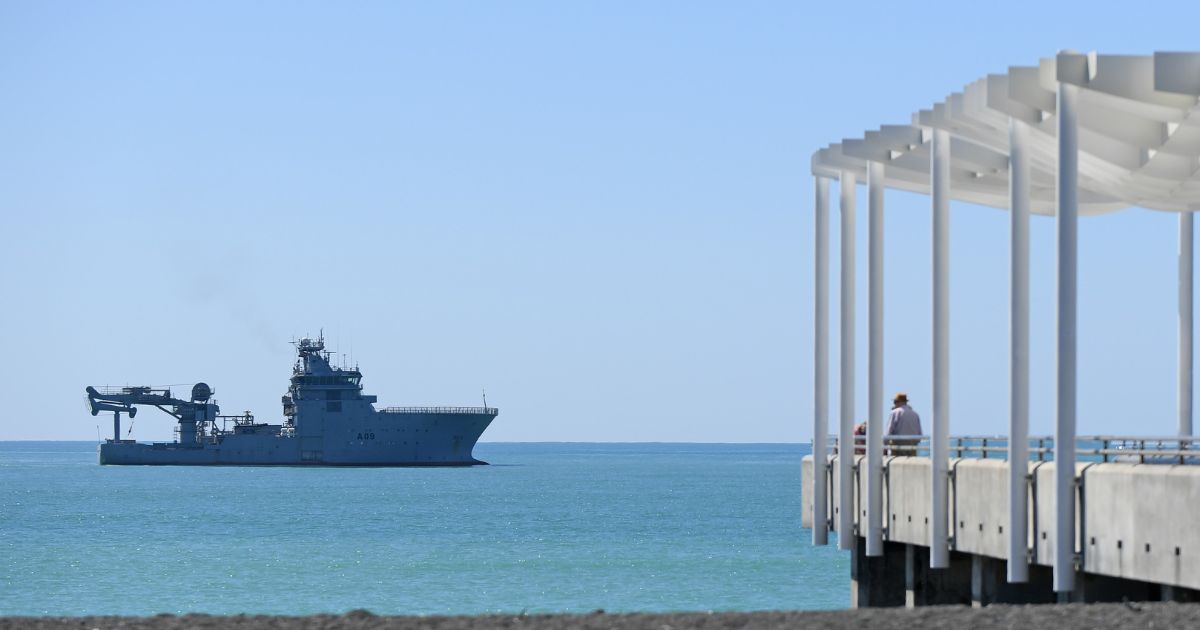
1135	537
1011	518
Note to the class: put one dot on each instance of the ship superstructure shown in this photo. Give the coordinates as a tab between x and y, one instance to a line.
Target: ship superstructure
328	421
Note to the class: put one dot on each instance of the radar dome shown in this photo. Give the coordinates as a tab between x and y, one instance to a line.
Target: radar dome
201	392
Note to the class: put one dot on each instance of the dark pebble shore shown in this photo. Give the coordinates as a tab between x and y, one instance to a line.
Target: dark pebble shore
1066	617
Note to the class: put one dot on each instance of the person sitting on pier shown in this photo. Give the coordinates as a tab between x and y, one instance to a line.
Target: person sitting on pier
903	422
860	438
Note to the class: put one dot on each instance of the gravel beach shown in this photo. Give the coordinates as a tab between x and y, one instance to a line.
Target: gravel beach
1067	617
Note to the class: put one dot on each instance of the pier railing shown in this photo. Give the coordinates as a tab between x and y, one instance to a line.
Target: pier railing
1088	448
492	411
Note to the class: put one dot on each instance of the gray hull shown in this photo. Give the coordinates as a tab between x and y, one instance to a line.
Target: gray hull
378	438
327	421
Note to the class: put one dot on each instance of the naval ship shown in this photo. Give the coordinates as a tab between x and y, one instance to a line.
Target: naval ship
328	421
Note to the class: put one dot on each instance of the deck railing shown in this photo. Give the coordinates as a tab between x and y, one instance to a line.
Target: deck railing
489	411
119	390
1088	448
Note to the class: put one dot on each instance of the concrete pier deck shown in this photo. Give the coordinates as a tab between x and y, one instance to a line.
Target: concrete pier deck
1136	535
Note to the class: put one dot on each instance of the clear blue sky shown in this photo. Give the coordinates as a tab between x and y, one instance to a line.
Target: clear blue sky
599	211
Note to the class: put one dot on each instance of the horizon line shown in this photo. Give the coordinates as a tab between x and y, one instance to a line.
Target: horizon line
509	442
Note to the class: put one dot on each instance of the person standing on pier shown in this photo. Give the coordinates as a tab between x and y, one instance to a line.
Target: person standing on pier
903	422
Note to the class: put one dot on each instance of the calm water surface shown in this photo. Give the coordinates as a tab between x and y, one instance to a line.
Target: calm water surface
546	528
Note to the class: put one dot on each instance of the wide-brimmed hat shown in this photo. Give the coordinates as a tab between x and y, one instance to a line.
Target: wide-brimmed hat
900	397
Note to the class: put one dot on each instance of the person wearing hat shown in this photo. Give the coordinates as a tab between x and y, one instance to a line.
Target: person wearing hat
903	422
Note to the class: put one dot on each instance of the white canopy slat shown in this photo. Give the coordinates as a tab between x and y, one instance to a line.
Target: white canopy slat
1139	143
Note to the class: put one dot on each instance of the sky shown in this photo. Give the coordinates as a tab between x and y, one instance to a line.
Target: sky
598	211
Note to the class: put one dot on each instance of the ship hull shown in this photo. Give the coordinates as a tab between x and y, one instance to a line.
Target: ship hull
376	439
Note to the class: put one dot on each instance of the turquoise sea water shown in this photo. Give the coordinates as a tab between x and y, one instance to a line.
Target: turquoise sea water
546	528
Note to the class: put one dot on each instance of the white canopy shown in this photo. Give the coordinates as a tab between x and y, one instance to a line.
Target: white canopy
1128	138
1139	135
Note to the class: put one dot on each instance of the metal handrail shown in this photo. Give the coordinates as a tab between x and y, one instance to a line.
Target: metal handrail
113	390
442	410
1095	448
1140	438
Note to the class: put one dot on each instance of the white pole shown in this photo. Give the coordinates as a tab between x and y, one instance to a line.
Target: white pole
845	529
820	516
1064	430
939	549
1018	428
1186	322
875	518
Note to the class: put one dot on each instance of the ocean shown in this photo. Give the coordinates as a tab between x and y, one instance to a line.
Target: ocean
545	528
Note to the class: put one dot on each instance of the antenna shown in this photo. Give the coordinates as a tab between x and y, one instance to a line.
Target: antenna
485	398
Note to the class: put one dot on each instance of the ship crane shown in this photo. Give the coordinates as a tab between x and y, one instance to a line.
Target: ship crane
199	411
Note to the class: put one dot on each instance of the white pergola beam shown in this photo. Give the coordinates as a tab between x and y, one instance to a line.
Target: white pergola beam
1025	87
1177	72
998	100
1138	145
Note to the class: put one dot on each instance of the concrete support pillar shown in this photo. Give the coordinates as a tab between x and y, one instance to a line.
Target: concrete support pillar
982	581
875	403
1064	429
914	576
935	587
1018	427
1092	588
1186	321
1168	593
877	581
820	518
845	529
989	587
939	550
